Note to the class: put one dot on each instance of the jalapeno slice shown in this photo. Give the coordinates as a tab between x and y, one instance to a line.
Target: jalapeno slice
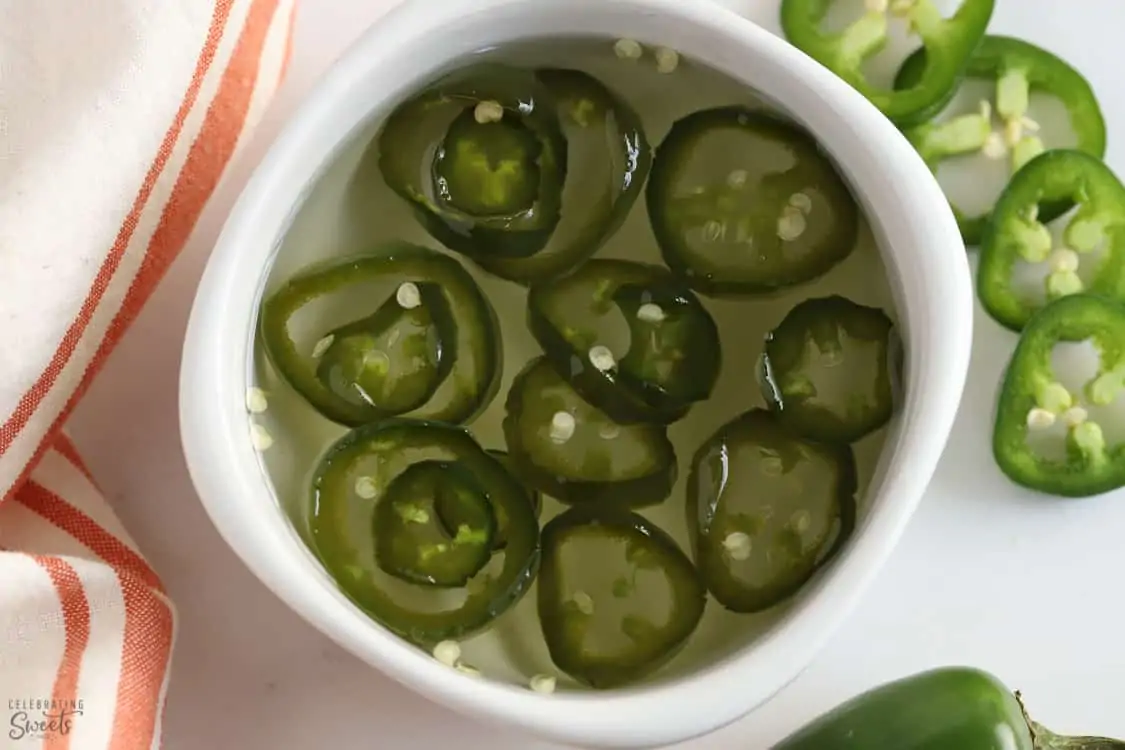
452	517
369	478
1019	69
1091	256
1032	400
481	157
949	42
767	509
411	545
609	159
742	202
829	369
573	452
617	597
629	337
430	349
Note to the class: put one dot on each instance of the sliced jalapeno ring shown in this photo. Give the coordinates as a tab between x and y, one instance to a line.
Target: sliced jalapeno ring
396	358
629	337
481	157
573	452
1019	69
1091	256
617	597
742	202
451	518
430	349
1032	400
349	499
410	543
767	509
829	369
949	42
608	161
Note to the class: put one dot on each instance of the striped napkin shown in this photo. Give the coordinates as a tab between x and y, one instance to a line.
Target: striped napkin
117	119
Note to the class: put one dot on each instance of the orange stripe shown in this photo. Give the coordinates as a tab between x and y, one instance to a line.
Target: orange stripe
86	531
145	655
31	400
147	617
76	622
65	448
205	164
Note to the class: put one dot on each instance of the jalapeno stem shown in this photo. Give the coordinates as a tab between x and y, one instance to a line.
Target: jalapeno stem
1045	739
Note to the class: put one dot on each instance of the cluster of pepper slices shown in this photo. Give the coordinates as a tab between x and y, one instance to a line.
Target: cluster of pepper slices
1083	293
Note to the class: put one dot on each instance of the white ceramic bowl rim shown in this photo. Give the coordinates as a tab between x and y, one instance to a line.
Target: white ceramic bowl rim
926	262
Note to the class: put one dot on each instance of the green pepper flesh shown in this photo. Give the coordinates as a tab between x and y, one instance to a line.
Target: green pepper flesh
767	509
350	486
617	597
1020	68
1031	396
949	43
342	291
1017	233
629	337
829	369
743	202
573	452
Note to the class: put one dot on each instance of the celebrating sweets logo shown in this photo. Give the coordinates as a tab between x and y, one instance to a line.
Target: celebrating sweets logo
40	718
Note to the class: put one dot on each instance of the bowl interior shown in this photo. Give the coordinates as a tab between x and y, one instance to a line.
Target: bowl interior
307	201
350	208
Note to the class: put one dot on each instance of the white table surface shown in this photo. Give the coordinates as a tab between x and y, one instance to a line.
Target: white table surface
1027	587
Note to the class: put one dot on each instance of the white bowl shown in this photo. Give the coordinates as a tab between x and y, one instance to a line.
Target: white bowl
922	250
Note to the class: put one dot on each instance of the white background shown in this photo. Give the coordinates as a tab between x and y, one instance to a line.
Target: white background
1025	586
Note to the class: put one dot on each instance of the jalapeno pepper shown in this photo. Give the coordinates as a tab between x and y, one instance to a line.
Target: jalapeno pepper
609	159
1019	68
525	172
617	597
410	546
375	497
767	509
629	337
948	42
451	517
947	708
430	349
481	157
1091	256
575	453
829	369
742	202
1032	400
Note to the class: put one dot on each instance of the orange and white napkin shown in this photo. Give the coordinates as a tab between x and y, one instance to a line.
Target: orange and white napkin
117	119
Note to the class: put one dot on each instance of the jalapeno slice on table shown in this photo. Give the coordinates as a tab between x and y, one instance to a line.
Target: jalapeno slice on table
617	597
609	159
573	452
376	497
1019	69
830	369
403	330
743	202
1091	256
767	509
948	42
1033	400
631	338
